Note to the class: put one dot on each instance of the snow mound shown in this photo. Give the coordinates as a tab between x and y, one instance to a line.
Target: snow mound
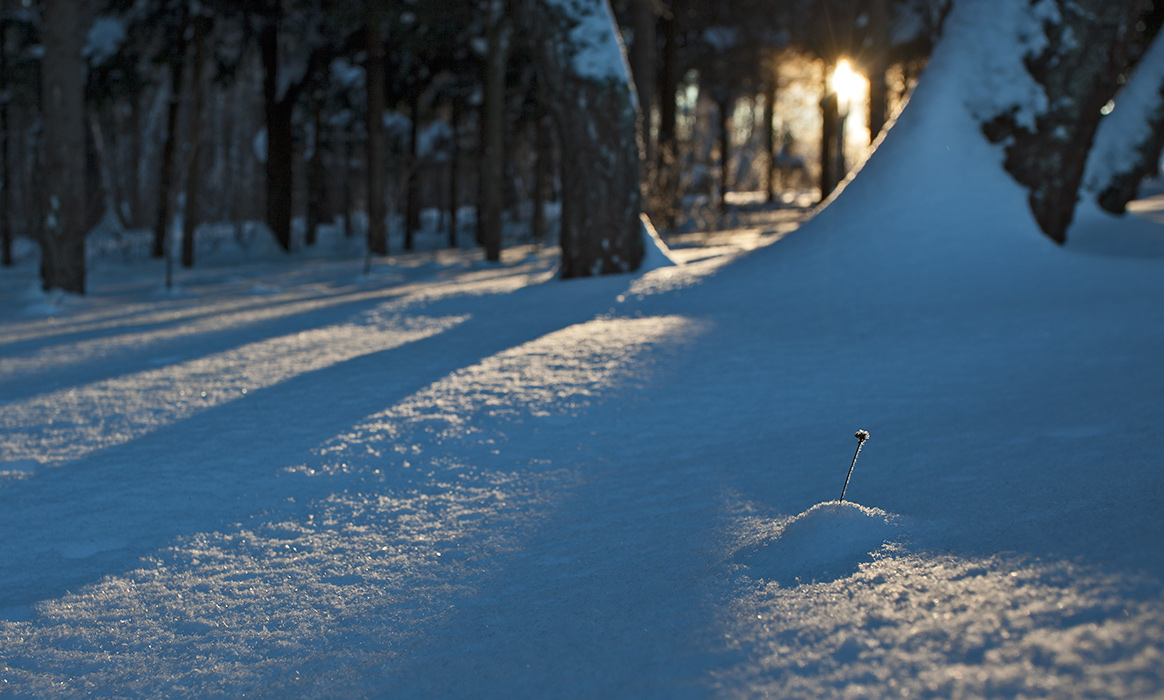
824	543
41	303
657	253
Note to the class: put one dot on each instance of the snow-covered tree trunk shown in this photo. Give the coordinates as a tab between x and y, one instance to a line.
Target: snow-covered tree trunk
1129	140
1085	47
590	98
63	103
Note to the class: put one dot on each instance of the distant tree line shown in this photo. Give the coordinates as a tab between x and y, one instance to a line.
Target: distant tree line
179	112
165	114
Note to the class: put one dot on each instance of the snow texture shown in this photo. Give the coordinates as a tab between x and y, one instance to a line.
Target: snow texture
448	478
997	82
595	46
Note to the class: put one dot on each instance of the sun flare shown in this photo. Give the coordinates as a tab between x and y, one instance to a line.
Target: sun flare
849	85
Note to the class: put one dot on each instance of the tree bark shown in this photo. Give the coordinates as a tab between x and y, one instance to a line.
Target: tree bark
193	169
642	61
724	106
316	174
5	183
830	115
346	172
877	65
543	158
591	100
493	128
280	139
63	100
454	172
412	196
770	134
375	70
1085	54
169	146
665	192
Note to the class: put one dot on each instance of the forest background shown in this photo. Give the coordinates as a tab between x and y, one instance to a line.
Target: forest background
151	119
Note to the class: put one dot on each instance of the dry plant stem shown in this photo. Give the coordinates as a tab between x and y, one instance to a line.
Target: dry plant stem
860	441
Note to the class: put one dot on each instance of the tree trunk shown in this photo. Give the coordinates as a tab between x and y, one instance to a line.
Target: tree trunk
668	83
877	65
454	167
1129	141
316	175
6	200
346	172
830	115
592	103
543	157
377	225
770	134
193	169
280	139
642	61
412	196
725	150
665	194
63	100
493	128
169	146
1078	70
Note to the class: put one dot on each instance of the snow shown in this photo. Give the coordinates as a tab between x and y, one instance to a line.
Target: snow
1122	132
448	478
104	39
1002	85
597	52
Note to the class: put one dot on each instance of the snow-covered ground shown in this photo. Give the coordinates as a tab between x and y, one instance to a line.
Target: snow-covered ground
452	479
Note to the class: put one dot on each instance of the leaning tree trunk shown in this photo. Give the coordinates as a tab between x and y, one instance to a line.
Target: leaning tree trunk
1086	51
63	98
1129	141
589	95
877	65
